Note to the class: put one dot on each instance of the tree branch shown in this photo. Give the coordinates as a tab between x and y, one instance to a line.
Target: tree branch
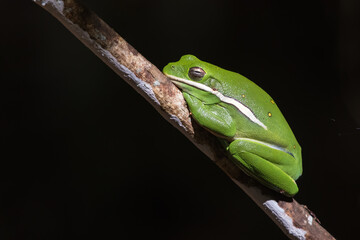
294	219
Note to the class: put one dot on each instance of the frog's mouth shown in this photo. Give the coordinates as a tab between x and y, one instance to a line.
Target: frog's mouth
186	86
183	83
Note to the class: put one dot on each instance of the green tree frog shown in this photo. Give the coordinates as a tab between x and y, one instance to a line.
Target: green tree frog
244	117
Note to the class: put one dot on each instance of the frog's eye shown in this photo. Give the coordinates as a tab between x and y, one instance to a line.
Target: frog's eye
196	73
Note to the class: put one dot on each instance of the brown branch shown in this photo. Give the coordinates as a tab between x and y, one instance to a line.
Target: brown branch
295	220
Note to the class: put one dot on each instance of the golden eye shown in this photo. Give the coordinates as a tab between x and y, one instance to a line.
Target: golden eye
196	73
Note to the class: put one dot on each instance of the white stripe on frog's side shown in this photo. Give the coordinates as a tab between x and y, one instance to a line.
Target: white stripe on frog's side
273	146
241	107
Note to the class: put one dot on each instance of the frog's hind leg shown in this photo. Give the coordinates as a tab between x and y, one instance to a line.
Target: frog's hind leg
264	164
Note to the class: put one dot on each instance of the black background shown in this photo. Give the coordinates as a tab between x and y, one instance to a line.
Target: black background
83	155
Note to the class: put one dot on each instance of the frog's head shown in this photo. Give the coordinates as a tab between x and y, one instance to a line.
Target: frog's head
195	77
189	68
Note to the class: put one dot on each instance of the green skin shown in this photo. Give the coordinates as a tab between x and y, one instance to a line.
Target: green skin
260	140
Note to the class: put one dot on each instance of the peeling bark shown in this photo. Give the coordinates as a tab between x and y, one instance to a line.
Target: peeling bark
294	219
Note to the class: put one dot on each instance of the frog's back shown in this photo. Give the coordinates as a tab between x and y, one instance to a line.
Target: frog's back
271	126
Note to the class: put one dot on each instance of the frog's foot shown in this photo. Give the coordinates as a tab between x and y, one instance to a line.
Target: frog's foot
270	165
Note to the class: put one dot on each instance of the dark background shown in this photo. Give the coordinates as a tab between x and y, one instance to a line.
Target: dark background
83	155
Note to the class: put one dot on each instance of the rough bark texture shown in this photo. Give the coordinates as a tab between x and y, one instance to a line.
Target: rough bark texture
294	219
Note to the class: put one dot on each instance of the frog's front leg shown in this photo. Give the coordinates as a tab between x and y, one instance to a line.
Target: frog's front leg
267	163
211	116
